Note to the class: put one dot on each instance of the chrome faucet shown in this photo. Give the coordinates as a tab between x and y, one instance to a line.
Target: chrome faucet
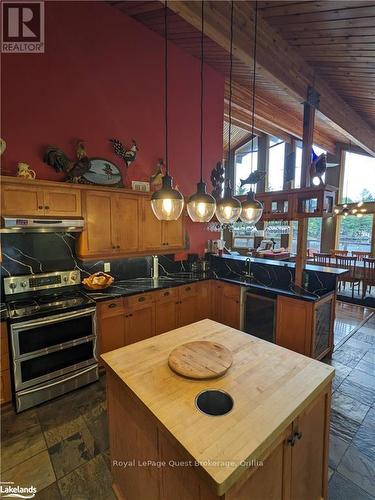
155	267
247	274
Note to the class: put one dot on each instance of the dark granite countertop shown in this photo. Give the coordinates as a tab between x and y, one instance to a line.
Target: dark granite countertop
283	263
132	287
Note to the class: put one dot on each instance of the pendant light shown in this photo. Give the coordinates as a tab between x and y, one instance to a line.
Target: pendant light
228	208
201	205
252	209
167	203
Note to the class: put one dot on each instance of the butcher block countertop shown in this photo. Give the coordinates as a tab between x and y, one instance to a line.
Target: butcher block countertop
270	386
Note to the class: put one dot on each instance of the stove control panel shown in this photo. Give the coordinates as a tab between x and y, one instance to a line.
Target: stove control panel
33	282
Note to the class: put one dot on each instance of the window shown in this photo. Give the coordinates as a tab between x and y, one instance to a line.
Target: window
297	178
243	237
314	233
276	156
245	162
355	233
359	178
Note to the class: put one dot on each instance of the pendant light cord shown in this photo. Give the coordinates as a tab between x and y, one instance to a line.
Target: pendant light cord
230	81
202	42
254	82
166	86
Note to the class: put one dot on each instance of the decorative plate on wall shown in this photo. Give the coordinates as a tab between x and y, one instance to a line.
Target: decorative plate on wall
103	172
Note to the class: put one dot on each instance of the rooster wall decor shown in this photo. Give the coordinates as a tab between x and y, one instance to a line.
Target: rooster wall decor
83	170
127	154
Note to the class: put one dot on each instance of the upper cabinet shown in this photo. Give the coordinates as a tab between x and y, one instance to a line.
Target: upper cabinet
27	198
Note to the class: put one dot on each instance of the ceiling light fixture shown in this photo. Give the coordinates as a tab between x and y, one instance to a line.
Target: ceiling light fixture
252	209
228	208
167	203
201	205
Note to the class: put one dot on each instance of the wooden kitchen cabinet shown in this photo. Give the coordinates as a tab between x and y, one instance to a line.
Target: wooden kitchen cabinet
306	326
111	325
5	384
127	214
166	310
139	323
226	304
203	302
29	198
186	311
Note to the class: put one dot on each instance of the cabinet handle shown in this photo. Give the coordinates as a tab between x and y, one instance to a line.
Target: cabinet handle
40	207
141	299
291	440
118	246
46	207
111	306
166	294
113	246
298	435
188	288
130	315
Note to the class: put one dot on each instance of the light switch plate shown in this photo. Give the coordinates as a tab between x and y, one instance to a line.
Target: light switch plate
107	267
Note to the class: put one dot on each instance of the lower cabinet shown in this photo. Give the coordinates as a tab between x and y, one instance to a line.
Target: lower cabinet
5	387
306	326
139	318
226	304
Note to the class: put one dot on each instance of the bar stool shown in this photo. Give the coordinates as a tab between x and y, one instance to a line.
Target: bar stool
337	252
323	259
361	255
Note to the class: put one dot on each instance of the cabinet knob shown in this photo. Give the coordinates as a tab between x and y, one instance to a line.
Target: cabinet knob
141	299
46	207
118	246
40	207
188	288
298	435
113	247
111	306
166	294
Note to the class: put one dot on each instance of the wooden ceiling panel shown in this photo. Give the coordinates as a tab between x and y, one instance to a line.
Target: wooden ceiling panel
337	38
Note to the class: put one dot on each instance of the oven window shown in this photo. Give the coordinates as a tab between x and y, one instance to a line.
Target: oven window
54	333
49	363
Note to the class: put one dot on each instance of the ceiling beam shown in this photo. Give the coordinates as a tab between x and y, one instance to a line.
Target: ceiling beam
277	61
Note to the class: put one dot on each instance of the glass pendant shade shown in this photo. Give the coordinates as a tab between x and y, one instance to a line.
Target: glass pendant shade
167	203
252	209
228	208
201	205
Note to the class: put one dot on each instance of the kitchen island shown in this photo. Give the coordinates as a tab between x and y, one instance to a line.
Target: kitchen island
273	444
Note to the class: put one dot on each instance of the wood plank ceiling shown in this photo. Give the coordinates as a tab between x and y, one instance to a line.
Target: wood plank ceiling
337	38
276	110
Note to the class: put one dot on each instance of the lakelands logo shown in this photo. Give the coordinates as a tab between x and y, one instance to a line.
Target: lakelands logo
22	30
8	490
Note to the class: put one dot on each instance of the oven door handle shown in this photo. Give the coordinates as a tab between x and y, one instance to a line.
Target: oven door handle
52	384
52	319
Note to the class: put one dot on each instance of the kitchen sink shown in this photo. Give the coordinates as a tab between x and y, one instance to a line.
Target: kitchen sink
214	402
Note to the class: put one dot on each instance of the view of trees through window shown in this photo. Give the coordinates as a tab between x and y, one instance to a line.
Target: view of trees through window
276	156
245	162
358	185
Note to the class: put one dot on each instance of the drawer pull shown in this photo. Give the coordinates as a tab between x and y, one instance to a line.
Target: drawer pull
188	288
166	294
141	299
46	207
111	306
40	207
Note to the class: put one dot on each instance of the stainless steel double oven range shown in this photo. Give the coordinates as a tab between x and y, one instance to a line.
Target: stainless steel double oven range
52	327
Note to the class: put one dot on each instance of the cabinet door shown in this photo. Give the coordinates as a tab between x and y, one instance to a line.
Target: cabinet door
62	202
309	456
231	312
294	324
203	309
151	229
139	324
111	325
165	316
127	223
22	200
99	236
217	297
186	310
173	233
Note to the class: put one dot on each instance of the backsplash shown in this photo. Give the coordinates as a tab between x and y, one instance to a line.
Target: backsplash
30	253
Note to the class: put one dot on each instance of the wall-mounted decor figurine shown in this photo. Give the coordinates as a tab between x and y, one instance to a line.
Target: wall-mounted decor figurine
83	170
217	180
254	178
127	154
23	170
157	177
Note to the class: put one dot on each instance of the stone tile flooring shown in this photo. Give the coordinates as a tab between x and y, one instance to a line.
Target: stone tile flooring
61	447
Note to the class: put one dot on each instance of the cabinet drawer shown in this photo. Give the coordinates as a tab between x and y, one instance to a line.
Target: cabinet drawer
138	301
232	291
167	294
111	307
188	290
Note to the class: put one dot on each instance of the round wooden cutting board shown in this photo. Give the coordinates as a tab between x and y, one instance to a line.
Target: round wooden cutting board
200	359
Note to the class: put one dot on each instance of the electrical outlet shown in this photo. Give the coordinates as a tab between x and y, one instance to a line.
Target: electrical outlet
107	267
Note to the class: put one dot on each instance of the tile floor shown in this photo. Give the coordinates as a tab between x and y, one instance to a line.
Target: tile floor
61	447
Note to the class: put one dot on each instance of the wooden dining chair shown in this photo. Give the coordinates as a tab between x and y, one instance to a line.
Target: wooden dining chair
323	259
361	255
368	275
349	263
336	252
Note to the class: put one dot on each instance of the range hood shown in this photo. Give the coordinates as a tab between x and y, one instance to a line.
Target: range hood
41	225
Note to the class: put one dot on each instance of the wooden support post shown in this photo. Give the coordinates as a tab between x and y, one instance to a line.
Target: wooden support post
308	136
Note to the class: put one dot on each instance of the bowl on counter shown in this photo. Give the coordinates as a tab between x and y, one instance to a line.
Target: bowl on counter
98	281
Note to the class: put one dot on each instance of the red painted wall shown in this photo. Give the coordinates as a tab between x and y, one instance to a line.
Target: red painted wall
101	76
